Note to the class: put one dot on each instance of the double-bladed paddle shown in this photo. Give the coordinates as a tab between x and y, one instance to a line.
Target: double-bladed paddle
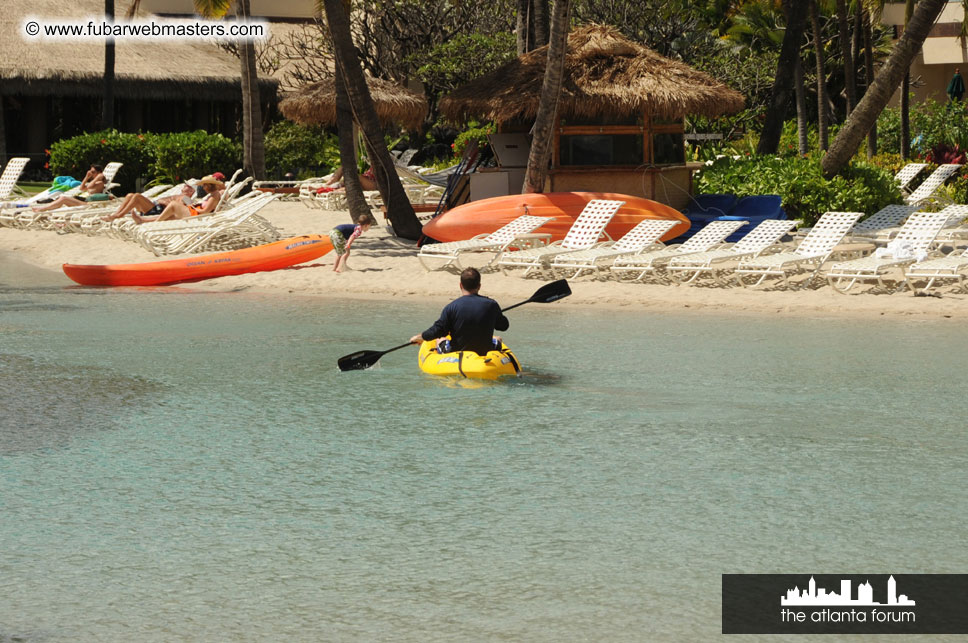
365	359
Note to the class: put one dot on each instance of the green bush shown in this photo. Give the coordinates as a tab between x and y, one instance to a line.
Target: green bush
478	134
183	155
73	156
932	124
805	192
305	151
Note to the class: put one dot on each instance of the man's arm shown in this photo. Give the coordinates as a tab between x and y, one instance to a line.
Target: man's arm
500	322
440	328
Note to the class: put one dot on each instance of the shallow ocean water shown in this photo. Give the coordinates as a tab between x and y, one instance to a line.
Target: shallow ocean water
178	465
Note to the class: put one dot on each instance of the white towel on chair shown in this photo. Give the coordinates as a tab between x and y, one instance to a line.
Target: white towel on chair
900	250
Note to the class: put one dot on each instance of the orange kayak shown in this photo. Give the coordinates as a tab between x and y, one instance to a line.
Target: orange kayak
487	215
271	256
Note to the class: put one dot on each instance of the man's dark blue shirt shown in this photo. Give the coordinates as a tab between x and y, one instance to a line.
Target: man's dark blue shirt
471	321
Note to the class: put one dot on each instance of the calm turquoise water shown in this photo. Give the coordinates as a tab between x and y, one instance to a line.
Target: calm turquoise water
190	466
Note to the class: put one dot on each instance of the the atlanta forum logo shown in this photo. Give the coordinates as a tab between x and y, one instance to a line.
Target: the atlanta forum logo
845	603
842	607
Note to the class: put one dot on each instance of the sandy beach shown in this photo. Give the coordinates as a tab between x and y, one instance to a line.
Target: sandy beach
384	267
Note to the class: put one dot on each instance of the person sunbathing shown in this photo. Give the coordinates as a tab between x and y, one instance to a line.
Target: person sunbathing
335	182
136	202
183	208
91	190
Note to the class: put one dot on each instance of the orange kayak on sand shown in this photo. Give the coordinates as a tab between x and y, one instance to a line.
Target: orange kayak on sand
487	215
271	256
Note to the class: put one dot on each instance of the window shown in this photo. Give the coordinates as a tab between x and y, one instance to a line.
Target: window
630	141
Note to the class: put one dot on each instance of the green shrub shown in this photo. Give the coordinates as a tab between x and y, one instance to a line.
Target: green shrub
183	155
800	183
305	151
478	134
932	124
73	156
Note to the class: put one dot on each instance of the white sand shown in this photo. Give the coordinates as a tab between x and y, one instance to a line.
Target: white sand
382	267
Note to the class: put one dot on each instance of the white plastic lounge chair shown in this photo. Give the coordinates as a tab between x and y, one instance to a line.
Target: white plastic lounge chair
952	229
238	226
757	241
907	174
711	235
11	174
928	189
911	244
952	266
644	235
496	242
814	250
584	233
878	224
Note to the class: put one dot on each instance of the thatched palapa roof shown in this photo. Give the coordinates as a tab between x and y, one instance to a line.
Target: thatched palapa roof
605	75
315	104
178	69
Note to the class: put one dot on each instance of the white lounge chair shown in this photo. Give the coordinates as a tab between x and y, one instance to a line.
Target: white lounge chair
644	235
911	244
11	174
239	226
952	230
952	266
496	242
711	235
585	232
757	241
927	191
814	250
907	174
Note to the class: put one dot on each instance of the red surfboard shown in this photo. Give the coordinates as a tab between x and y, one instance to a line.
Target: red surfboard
487	215
271	256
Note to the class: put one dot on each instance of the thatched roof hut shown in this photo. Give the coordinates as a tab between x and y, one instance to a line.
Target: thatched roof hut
605	76
315	104
167	70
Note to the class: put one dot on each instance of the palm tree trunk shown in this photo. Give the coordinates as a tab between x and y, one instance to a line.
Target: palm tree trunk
544	121
821	76
521	26
879	92
796	15
850	78
347	151
399	210
107	106
906	95
869	71
254	149
798	88
541	29
3	136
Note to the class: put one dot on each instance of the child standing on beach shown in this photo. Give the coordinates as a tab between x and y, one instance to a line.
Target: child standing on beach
343	237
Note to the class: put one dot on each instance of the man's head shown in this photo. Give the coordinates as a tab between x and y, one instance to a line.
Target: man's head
470	280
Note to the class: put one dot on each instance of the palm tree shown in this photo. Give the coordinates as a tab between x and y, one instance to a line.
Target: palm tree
522	26
850	79
801	98
399	210
821	74
879	92
796	15
252	137
544	120
107	106
346	131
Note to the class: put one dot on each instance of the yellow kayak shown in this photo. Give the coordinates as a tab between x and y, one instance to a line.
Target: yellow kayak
495	364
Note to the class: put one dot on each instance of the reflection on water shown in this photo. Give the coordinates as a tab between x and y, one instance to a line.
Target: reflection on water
196	468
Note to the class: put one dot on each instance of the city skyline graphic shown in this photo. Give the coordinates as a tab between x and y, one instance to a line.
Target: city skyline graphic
813	595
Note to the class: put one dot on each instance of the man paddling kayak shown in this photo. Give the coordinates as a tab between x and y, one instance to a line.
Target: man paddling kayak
470	320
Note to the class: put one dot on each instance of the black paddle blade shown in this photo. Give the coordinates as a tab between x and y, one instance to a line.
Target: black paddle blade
359	360
551	292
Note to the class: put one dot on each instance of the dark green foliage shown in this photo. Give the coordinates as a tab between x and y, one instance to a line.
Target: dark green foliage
304	151
184	155
799	181
462	59
167	157
932	124
73	156
478	134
